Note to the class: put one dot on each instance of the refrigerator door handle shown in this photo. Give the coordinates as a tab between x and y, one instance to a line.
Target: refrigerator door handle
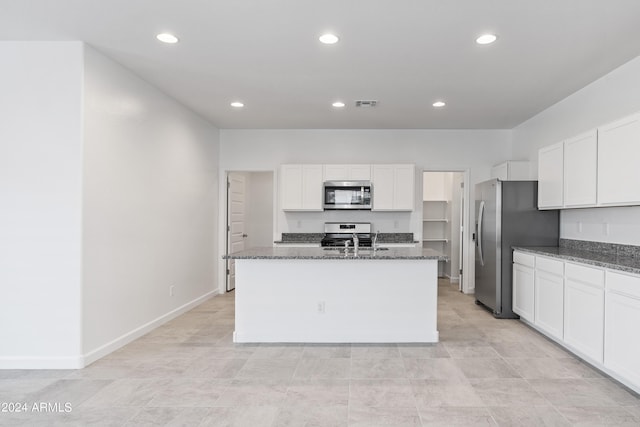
479	232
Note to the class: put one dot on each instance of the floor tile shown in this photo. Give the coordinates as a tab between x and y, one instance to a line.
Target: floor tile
438	393
572	392
268	368
326	351
378	368
456	416
167	417
364	351
317	392
507	392
391	393
434	369
380	416
188	392
528	416
323	368
124	392
318	416
552	368
247	416
253	392
485	368
599	416
423	351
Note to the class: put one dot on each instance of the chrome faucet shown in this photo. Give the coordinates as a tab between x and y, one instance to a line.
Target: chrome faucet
374	240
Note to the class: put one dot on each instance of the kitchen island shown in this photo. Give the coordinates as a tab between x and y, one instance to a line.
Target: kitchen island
324	295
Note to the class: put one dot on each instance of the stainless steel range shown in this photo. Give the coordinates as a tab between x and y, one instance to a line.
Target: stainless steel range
337	233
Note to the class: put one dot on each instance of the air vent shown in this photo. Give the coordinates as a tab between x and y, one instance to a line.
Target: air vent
366	103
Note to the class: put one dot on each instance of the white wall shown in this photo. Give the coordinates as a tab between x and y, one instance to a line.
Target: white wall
150	206
40	204
476	150
611	97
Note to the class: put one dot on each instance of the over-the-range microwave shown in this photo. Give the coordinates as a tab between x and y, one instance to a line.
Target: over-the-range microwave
347	195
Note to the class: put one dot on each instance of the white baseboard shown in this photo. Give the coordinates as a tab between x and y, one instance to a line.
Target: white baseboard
80	361
125	339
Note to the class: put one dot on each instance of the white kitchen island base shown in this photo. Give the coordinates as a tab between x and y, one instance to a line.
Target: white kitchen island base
336	300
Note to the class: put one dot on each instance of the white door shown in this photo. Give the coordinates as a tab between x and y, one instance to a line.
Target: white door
235	222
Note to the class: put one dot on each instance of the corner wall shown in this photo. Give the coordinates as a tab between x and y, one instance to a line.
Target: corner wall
150	207
40	204
613	96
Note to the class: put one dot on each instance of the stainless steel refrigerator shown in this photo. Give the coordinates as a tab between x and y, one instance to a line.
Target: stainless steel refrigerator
507	215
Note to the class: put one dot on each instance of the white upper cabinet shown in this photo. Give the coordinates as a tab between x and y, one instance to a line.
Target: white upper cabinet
551	176
618	154
580	170
301	187
393	187
511	170
347	172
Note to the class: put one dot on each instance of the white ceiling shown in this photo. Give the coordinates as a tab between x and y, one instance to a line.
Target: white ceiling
405	54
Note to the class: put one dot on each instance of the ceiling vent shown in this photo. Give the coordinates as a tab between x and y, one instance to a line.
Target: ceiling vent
366	103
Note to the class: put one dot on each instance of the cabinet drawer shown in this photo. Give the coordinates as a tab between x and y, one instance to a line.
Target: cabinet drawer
623	284
584	274
524	259
550	265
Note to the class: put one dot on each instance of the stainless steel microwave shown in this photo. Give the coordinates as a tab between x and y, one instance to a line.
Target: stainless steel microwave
347	195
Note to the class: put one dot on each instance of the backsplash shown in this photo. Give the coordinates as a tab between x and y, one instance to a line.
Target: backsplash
602	247
316	237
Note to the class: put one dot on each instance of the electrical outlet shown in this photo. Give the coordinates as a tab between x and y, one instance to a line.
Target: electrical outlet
320	307
395	224
606	228
171	290
579	226
299	224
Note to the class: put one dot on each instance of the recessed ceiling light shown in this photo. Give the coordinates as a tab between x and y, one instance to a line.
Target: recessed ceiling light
439	104
486	39
338	104
167	38
237	104
328	38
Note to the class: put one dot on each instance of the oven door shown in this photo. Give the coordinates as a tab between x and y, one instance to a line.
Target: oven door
347	195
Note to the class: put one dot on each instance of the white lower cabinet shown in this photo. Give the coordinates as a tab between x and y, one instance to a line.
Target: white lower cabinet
594	312
549	296
622	318
584	310
523	286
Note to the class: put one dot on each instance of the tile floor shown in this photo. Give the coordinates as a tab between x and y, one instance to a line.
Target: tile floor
189	373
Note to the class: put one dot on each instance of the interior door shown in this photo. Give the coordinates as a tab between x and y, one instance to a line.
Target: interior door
236	212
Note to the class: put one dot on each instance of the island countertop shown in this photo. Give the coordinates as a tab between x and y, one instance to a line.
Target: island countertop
338	253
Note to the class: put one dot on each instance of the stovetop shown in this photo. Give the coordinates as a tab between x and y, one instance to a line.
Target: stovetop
338	241
337	233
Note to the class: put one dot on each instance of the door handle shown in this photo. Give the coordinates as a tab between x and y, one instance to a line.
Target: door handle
244	235
479	232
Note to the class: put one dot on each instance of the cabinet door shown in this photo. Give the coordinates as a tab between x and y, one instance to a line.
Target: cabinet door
523	292
584	310
301	187
383	187
500	171
580	170
335	173
360	172
618	153
312	187
404	187
622	317
291	187
549	302
550	176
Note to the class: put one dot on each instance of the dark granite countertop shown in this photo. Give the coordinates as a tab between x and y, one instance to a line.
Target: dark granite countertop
334	253
604	259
